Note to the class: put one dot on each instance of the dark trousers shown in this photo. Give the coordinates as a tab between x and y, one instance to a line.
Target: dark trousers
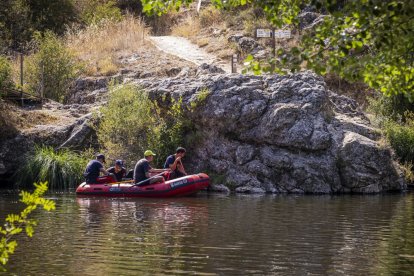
176	174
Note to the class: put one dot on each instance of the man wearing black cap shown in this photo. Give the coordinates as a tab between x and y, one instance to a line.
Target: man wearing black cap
174	163
118	170
93	169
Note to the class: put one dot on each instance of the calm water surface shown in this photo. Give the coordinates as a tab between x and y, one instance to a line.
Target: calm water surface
219	235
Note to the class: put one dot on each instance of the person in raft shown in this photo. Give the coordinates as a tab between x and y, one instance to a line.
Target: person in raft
93	169
143	169
118	170
174	163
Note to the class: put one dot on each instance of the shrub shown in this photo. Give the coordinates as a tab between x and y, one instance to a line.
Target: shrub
174	130
95	11
5	73
62	169
394	115
407	169
401	138
129	125
390	108
132	123
53	65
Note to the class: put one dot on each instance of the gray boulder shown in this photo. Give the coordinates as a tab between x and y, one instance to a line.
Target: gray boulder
81	132
283	134
364	166
247	44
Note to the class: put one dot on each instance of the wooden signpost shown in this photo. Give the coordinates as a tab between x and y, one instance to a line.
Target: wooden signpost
234	63
268	33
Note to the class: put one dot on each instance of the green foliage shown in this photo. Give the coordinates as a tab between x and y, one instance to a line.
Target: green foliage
16	223
401	138
174	128
53	66
5	74
393	108
97	11
201	97
51	15
131	123
19	19
364	40
62	169
394	115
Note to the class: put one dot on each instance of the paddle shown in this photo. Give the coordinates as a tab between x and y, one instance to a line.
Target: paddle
120	182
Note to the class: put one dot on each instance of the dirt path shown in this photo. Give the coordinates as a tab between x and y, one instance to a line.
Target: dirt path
186	50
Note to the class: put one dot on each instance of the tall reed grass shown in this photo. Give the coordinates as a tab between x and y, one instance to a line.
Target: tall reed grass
62	169
97	45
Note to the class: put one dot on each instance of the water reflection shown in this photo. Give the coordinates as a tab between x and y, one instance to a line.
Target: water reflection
236	235
150	232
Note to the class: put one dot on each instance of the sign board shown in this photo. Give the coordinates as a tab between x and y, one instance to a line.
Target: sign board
263	33
282	34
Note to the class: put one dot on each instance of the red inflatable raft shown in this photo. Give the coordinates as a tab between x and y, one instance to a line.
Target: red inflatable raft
183	186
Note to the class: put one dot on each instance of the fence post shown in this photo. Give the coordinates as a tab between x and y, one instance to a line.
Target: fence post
274	51
21	69
21	78
42	85
234	63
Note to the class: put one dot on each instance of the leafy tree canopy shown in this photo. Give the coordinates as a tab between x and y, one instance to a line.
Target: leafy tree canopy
20	18
368	40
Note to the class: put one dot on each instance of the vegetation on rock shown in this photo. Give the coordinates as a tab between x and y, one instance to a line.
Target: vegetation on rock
63	169
132	123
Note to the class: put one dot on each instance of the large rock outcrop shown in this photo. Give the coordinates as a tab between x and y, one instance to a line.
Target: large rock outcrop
282	134
277	134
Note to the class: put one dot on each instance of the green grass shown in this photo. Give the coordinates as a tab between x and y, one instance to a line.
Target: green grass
63	169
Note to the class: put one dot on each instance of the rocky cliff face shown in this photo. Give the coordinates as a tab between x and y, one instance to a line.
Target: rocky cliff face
277	134
282	134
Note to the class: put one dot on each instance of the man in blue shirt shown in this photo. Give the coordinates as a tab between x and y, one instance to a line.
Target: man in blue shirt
93	169
143	169
174	163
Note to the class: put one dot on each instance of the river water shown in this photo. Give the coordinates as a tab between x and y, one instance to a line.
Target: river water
219	235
